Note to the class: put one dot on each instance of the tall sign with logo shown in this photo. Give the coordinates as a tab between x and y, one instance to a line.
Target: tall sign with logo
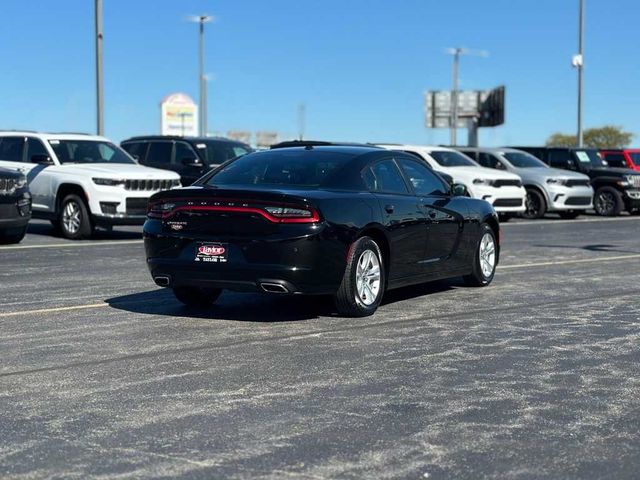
178	115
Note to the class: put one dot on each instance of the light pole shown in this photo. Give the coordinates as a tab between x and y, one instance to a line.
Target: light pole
301	120
456	52
201	20
578	62
99	79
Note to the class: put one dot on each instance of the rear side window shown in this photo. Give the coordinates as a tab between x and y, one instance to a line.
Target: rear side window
424	181
159	153
136	149
184	152
616	160
384	177
11	148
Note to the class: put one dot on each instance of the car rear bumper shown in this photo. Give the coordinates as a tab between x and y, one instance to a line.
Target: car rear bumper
309	264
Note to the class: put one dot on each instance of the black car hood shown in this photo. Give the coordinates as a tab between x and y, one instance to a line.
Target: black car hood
611	172
6	173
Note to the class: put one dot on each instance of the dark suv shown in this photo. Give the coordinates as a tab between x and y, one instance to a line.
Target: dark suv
616	189
190	157
15	206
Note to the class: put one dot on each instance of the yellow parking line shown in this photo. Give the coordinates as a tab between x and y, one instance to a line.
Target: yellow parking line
568	262
72	244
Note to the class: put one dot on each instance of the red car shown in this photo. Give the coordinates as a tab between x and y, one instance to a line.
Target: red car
624	158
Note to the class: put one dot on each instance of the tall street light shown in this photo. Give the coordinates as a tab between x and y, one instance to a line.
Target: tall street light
99	79
578	62
202	80
456	52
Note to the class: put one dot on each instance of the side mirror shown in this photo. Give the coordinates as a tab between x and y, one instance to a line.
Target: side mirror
191	162
41	159
459	190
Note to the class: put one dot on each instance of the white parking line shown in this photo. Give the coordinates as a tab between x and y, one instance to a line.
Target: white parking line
72	244
568	262
501	267
574	221
56	309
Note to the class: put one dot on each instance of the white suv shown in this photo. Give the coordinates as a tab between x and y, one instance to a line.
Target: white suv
81	181
501	189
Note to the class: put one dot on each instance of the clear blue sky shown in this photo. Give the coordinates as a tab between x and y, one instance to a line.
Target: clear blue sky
360	66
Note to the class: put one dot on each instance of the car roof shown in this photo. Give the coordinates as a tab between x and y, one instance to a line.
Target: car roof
348	149
53	135
141	138
426	148
490	149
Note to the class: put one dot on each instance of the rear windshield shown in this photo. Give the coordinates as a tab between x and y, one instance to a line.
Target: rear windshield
452	159
635	158
299	168
523	160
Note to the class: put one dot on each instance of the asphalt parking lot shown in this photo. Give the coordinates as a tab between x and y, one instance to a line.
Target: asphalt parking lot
104	375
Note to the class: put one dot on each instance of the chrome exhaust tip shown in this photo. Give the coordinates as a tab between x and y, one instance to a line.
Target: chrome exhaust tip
273	288
162	280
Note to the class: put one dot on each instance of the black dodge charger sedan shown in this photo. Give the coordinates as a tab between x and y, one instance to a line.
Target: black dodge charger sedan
343	220
15	206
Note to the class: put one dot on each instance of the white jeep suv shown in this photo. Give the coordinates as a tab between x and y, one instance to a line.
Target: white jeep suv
82	181
501	189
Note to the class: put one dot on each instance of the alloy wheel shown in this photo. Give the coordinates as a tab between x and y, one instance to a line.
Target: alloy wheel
605	203
71	217
368	277
532	206
487	255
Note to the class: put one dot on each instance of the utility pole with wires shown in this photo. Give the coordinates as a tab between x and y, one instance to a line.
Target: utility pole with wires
456	52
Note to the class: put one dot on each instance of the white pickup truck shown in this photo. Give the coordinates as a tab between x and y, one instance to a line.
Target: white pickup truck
82	181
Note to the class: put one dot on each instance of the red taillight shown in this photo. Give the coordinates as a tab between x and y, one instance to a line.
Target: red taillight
275	213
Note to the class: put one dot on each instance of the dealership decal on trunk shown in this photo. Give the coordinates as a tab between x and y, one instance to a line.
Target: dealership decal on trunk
211	252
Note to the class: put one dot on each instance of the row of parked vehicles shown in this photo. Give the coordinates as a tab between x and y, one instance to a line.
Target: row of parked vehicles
82	182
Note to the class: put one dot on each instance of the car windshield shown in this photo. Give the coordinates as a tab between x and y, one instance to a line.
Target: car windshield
89	151
590	157
452	159
635	158
217	152
523	160
309	169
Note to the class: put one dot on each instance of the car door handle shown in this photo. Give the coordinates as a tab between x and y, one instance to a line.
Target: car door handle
389	208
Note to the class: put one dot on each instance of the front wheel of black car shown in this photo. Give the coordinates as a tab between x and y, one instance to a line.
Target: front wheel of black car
197	296
535	205
363	284
13	236
608	202
484	260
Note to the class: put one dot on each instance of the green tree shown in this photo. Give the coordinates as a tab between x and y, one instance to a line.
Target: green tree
608	136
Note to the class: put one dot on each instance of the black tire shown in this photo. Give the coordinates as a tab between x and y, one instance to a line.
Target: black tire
535	205
607	202
14	235
80	226
477	278
197	296
350	303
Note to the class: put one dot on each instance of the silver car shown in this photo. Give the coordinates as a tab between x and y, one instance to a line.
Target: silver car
548	189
